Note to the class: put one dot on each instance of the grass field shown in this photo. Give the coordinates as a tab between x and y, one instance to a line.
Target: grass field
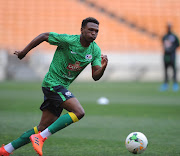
103	130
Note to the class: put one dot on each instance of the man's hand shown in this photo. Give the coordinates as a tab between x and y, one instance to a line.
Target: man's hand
104	60
36	41
20	54
97	71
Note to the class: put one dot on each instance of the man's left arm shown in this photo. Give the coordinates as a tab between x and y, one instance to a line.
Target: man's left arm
177	39
97	71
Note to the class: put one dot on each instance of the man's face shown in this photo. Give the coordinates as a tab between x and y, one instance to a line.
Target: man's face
169	27
90	31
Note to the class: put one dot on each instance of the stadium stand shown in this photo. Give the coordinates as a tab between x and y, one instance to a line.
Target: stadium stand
125	25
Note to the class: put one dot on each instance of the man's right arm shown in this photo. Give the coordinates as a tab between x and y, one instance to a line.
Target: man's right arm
35	42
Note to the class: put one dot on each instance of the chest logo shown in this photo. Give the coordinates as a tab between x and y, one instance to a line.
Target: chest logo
88	57
72	52
74	67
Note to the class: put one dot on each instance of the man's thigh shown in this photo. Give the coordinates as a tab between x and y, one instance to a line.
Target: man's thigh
54	97
72	105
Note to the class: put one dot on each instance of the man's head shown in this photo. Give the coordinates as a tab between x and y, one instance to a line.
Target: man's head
89	29
169	28
89	19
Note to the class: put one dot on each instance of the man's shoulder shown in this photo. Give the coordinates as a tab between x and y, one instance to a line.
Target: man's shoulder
96	47
164	36
175	35
64	35
72	38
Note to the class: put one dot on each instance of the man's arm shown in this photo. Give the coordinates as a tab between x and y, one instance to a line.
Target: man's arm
97	71
36	41
177	40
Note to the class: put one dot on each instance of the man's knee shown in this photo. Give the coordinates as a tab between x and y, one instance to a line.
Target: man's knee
80	113
73	105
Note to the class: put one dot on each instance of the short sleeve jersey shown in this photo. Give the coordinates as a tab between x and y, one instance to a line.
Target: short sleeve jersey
70	58
170	43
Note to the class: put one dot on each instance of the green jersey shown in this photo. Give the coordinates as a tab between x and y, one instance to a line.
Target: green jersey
70	58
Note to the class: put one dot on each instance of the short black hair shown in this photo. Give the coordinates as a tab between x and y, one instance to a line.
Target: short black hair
89	19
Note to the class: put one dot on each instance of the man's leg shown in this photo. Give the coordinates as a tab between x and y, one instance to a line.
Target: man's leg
47	119
76	112
164	86
175	84
174	72
21	141
166	77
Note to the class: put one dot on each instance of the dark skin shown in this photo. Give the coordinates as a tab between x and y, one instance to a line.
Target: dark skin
169	27
88	35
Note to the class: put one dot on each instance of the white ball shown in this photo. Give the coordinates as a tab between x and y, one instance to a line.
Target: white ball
136	142
103	101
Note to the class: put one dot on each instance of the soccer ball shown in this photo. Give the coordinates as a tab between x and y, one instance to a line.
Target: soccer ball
136	142
103	101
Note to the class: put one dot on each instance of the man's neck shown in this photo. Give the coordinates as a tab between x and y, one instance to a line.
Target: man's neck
83	42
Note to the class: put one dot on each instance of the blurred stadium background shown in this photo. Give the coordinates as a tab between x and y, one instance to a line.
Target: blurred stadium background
130	34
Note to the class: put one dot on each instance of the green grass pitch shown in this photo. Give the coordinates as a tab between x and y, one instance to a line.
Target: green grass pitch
103	130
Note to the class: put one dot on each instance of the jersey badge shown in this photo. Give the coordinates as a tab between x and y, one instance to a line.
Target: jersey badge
88	57
68	93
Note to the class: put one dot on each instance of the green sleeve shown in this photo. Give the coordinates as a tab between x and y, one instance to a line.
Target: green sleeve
97	60
57	39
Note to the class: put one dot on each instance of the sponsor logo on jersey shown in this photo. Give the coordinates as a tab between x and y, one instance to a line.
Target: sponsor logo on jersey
88	57
75	67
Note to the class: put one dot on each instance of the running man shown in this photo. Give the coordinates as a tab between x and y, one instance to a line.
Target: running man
73	54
